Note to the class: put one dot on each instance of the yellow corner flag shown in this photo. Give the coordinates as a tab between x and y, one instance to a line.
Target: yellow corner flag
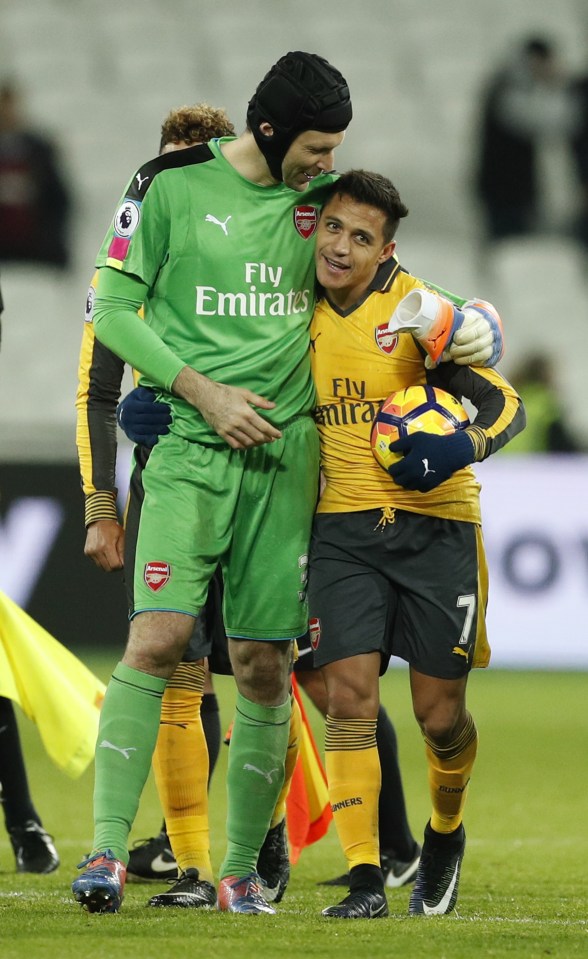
52	687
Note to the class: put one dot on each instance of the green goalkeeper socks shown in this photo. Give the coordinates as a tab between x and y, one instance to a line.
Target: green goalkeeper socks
254	779
129	725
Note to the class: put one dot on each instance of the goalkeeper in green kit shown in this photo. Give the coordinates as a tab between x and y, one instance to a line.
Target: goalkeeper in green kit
217	242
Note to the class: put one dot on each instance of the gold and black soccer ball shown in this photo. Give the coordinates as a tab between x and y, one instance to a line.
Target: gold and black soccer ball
416	409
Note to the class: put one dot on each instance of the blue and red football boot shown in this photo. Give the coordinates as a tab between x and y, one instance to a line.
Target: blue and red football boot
236	894
100	888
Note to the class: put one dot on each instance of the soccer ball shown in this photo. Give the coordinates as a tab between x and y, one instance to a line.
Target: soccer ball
416	409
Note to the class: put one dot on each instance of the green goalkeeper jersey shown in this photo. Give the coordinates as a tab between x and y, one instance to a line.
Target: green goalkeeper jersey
229	271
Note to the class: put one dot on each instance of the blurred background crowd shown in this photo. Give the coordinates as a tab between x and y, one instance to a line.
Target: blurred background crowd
477	111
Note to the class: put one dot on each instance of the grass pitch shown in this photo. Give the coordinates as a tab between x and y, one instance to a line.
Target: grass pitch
524	885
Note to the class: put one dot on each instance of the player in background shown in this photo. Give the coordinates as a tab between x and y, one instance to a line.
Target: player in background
223	228
33	847
397	564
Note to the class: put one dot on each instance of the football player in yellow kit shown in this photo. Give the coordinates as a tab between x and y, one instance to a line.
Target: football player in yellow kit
397	563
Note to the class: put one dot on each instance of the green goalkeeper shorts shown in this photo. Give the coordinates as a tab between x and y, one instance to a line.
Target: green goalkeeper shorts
249	510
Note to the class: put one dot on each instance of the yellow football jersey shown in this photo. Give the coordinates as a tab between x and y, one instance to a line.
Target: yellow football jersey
356	364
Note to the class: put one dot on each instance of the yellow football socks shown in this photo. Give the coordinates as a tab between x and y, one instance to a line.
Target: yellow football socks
449	774
354	777
180	765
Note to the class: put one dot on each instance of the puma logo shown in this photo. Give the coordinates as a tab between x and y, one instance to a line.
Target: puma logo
126	750
425	463
209	218
140	180
261	772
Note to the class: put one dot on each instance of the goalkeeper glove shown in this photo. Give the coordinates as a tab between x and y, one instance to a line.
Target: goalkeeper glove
142	418
429	459
470	336
480	340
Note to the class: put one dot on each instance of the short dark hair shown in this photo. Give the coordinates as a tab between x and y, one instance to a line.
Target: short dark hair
376	190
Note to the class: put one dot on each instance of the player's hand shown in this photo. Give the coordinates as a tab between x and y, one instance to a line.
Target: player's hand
430	459
142	417
480	339
105	541
229	410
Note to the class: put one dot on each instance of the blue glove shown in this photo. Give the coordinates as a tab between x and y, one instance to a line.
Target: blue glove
429	459
142	418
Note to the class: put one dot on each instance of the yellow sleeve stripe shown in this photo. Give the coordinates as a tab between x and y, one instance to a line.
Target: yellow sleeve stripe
82	427
100	505
479	439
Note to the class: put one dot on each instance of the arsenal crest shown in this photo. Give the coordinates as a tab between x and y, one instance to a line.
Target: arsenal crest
314	628
305	220
156	575
385	340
